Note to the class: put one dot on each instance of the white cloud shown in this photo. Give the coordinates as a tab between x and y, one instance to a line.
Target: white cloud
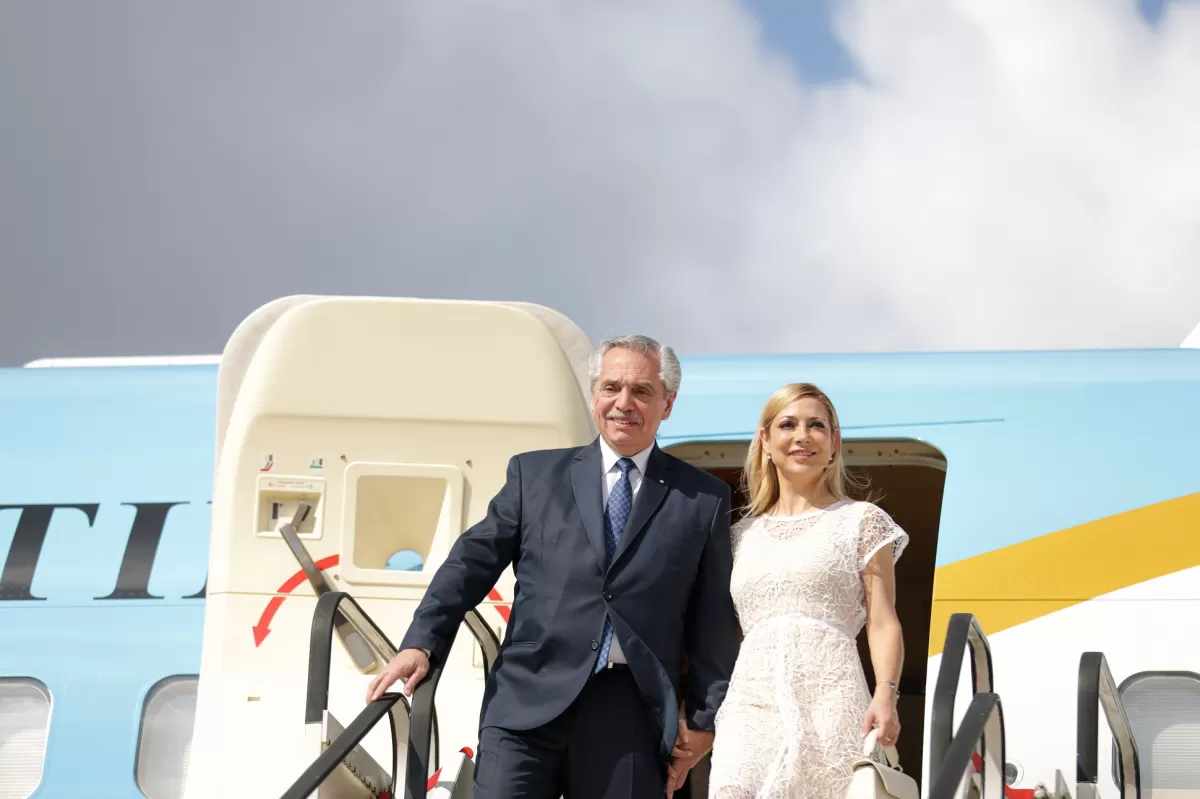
1011	174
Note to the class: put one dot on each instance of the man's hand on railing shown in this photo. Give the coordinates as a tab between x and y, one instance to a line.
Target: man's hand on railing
409	665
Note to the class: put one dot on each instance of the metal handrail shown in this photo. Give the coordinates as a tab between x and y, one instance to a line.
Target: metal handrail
421	743
344	744
1097	689
332	607
982	723
421	712
366	655
962	631
338	607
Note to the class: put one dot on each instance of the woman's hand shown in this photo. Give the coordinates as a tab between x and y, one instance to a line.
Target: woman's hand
882	714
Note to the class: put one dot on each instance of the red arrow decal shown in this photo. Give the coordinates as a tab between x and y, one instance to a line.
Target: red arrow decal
264	623
263	628
503	610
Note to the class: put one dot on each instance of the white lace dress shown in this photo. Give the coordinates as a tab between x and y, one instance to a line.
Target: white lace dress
789	725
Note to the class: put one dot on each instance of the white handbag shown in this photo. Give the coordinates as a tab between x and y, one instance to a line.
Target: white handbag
874	780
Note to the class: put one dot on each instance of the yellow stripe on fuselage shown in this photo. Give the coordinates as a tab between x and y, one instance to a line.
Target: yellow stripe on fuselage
1010	586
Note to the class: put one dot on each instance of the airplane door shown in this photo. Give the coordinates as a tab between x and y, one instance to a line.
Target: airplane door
394	420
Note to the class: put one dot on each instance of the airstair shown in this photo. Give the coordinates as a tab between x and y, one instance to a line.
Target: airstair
969	762
341	767
966	763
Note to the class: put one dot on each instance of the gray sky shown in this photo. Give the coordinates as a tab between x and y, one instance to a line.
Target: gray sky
1026	176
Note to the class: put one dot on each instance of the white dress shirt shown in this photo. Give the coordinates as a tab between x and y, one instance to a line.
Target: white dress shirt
609	460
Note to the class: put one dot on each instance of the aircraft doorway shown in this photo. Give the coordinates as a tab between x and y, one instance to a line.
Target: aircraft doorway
906	478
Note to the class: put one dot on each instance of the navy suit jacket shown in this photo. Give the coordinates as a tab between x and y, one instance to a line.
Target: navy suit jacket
667	589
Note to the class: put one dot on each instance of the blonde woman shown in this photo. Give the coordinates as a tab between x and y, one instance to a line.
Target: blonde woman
811	568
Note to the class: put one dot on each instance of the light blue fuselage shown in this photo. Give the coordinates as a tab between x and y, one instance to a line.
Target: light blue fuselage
113	611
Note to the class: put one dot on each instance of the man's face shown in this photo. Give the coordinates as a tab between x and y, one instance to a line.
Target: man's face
629	400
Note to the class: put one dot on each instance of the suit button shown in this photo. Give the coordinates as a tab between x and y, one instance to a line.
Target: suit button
595	645
608	596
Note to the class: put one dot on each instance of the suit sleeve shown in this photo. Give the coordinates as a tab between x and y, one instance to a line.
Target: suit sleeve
711	626
475	563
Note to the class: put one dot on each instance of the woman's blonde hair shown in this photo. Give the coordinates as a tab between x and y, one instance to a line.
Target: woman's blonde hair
760	480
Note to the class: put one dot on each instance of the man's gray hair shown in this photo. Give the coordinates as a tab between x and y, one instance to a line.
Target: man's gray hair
669	370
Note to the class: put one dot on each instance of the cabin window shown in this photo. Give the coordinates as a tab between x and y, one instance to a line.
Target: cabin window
1163	709
165	737
399	520
24	721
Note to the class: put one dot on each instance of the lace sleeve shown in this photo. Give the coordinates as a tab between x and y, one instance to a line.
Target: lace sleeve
876	530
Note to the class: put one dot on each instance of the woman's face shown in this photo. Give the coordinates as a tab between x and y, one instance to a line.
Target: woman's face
801	441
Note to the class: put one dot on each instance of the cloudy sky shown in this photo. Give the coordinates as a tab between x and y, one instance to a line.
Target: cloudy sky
763	176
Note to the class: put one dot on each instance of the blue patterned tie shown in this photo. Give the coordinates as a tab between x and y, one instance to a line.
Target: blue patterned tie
620	503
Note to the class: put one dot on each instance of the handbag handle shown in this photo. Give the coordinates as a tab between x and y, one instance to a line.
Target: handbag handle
890	751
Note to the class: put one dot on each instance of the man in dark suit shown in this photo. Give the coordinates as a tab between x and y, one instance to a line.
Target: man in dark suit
622	560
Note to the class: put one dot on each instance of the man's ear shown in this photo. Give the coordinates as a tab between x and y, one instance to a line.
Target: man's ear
670	405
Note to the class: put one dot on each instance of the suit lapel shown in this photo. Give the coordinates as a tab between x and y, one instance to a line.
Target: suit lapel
655	482
586	474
